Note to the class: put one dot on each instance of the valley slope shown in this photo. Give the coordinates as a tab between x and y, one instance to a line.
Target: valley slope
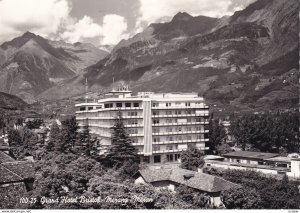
248	61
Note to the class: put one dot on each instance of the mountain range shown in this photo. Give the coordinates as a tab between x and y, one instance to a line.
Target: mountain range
31	64
246	61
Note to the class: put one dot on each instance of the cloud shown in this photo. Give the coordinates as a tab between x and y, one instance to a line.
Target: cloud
84	28
110	32
157	10
51	19
114	29
38	16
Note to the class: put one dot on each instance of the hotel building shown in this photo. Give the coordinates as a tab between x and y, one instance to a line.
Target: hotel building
160	125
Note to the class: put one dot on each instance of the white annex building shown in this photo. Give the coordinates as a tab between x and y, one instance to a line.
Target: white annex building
160	125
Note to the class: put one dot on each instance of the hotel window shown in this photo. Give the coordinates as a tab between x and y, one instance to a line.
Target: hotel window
168	112
179	129
155	130
132	113
157	159
188	112
155	121
170	139
192	145
189	120
168	104
134	140
99	107
155	113
201	136
136	105
90	108
146	159
107	106
170	157
169	147
198	119
169	121
169	130
133	131
156	139
188	137
82	109
188	129
177	104
127	104
154	104
132	121
179	138
156	148
119	105
177	156
177	112
187	104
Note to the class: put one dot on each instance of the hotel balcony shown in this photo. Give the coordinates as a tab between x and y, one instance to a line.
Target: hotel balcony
180	116
180	132
181	124
174	142
110	109
171	151
109	118
180	107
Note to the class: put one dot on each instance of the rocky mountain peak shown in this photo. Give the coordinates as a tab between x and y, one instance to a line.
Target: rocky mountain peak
28	35
182	16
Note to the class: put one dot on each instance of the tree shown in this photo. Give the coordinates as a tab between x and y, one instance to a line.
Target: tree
192	196
34	124
68	134
121	149
217	135
54	138
223	149
87	142
270	132
192	159
241	198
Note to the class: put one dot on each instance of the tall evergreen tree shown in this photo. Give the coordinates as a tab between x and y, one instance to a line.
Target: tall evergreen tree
90	144
69	135
54	138
217	135
121	149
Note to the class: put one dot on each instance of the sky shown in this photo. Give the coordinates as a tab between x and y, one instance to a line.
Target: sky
101	22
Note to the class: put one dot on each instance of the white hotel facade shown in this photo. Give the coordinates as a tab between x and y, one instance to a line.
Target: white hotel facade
160	125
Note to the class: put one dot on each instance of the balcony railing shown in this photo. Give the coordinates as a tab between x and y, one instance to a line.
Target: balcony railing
180	107
180	115
181	124
180	132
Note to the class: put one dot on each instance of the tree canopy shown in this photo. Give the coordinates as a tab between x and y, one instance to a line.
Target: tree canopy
192	158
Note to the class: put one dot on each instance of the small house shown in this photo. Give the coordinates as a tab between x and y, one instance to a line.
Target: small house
173	177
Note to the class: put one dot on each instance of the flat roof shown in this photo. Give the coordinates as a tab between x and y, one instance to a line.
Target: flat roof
211	157
252	155
247	165
280	159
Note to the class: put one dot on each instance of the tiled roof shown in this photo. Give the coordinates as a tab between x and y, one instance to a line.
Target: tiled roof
7	176
23	168
5	157
16	171
155	174
252	155
196	180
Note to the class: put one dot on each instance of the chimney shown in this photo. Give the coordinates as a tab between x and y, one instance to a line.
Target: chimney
188	176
